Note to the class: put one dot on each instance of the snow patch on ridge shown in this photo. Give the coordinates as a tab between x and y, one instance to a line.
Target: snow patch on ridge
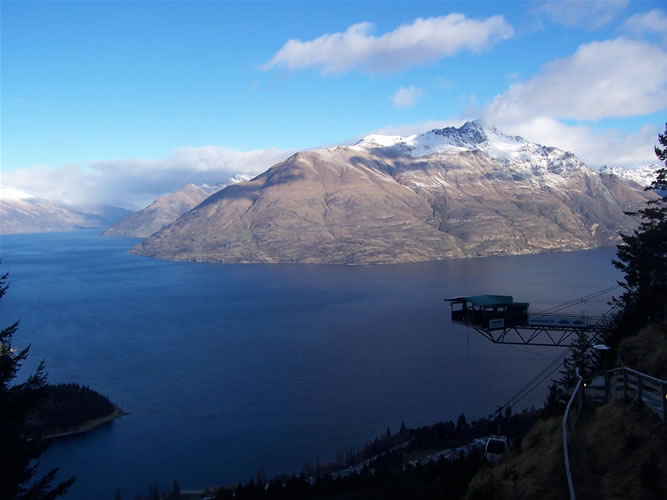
235	179
643	176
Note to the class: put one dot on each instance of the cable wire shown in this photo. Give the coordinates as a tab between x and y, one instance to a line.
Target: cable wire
585	298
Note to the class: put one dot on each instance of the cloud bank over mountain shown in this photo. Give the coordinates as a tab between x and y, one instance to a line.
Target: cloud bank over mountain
134	183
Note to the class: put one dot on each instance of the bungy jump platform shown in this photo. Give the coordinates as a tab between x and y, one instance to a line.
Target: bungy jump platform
503	321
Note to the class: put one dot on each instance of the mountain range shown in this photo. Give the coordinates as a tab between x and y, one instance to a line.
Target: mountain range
21	213
451	192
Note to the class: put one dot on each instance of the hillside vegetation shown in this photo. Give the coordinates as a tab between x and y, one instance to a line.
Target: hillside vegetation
67	407
646	351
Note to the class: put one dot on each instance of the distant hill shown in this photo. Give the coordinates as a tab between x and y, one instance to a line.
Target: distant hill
165	210
161	212
452	192
70	409
19	213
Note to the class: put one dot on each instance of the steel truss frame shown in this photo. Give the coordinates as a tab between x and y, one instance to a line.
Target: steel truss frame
539	335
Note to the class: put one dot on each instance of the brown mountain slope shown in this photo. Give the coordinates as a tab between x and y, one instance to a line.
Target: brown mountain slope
361	205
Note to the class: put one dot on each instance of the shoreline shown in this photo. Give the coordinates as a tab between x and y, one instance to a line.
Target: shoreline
90	424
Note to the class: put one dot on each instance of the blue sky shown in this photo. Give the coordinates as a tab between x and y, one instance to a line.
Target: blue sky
121	101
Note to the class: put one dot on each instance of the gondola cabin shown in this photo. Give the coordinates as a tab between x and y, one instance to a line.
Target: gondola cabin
496	447
489	312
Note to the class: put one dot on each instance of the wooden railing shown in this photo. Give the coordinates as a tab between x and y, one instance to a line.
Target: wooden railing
619	383
631	384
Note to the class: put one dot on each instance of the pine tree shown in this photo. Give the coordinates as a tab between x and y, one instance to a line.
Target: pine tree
642	257
153	493
176	491
582	357
20	448
462	423
554	404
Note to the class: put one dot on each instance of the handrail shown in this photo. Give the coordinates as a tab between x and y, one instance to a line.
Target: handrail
566	422
651	391
643	375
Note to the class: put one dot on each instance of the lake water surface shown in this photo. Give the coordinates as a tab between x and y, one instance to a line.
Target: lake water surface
225	369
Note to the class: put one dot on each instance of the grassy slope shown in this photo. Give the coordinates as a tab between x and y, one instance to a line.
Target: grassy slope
626	444
534	470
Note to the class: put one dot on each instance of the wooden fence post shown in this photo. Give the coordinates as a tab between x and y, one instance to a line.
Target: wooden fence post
607	386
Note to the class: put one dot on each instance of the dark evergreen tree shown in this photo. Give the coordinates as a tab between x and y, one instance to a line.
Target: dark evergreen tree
261	476
19	446
153	493
642	257
583	357
462	423
176	491
554	404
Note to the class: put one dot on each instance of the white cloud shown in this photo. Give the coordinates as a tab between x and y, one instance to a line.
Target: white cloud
423	41
405	97
135	183
613	78
583	13
654	21
608	79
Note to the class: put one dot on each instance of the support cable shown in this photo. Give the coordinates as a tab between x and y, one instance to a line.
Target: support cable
536	380
585	298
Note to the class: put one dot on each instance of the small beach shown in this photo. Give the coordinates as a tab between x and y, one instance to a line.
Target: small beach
90	424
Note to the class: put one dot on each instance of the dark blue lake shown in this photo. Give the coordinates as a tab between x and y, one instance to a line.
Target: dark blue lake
226	369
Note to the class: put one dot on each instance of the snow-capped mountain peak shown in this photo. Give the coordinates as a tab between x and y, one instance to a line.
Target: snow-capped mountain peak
513	152
469	133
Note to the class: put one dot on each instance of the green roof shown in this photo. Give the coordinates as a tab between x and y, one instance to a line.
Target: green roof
485	300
